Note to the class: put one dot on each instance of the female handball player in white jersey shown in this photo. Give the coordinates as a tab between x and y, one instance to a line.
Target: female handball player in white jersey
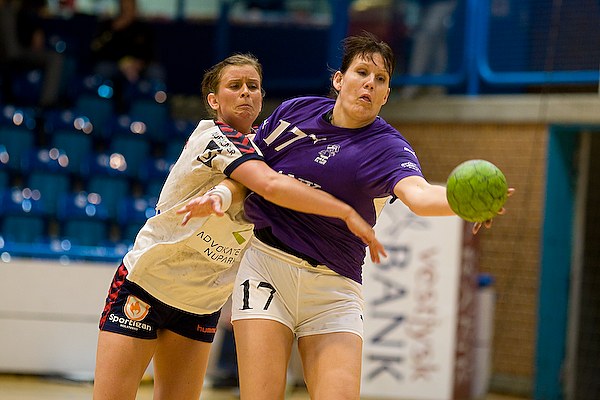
166	296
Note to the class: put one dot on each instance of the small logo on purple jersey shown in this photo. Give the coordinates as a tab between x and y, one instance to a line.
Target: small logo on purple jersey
327	153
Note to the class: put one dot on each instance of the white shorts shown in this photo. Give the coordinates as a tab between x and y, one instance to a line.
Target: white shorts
272	284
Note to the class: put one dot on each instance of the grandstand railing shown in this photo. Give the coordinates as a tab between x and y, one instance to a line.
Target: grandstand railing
475	68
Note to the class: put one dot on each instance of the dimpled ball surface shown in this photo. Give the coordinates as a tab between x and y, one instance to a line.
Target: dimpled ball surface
476	190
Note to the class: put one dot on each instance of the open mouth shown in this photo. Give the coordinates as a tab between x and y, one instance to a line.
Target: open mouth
365	98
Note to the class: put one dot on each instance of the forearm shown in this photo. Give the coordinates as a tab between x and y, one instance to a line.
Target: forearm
289	192
422	198
293	194
433	202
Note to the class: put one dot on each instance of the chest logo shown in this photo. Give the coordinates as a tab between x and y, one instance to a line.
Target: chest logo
327	153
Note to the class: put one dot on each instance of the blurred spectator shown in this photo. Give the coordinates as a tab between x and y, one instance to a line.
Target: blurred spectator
265	5
123	51
23	48
429	54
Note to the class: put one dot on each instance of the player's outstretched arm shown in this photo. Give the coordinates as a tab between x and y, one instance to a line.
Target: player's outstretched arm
425	199
215	201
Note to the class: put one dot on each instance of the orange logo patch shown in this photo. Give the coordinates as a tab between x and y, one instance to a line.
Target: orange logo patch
135	309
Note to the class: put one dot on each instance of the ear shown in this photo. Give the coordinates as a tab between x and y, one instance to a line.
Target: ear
212	100
337	80
387	96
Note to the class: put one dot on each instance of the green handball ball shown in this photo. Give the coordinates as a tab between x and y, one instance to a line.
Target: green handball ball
476	190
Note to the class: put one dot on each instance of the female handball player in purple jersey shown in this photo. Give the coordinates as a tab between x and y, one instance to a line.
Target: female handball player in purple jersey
301	274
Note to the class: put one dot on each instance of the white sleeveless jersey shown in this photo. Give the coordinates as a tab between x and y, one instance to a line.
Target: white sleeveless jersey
192	267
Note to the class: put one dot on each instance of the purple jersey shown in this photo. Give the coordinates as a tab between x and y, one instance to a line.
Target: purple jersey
354	165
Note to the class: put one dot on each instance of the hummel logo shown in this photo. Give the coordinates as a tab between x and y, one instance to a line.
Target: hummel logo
315	139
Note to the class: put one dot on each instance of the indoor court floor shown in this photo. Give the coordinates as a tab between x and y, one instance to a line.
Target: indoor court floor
24	387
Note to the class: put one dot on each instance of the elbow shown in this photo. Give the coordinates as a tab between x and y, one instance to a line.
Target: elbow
271	187
420	209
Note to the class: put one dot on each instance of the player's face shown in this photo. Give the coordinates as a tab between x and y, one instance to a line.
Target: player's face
238	100
362	90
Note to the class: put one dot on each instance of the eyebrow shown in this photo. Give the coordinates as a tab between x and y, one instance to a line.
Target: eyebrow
242	79
366	64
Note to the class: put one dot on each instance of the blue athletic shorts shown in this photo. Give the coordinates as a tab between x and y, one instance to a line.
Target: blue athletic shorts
132	311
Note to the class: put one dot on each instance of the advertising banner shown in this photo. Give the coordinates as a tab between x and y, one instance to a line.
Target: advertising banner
419	316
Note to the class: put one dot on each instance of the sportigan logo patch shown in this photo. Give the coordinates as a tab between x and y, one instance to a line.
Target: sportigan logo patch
135	309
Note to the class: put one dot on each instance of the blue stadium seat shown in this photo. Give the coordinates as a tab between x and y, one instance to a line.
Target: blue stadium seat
154	173
83	219
22	216
17	142
27	86
76	144
51	186
135	148
179	132
57	119
104	163
72	133
153	188
155	117
46	171
174	149
133	213
106	174
181	129
11	115
96	103
111	189
4	172
4	178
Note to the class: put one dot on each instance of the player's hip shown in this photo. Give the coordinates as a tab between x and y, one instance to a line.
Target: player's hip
309	300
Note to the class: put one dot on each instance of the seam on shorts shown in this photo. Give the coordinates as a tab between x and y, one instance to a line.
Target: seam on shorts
326	331
297	305
268	317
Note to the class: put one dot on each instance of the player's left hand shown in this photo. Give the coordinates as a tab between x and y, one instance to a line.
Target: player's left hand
366	233
202	206
488	224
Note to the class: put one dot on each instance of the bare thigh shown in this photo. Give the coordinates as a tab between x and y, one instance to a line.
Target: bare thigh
332	365
263	351
120	365
179	367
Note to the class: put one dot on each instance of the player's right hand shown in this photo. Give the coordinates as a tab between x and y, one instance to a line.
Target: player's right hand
202	206
488	223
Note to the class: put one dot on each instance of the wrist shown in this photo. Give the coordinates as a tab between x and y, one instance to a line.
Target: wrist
224	194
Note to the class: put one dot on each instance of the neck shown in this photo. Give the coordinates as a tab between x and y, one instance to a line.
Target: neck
242	129
341	120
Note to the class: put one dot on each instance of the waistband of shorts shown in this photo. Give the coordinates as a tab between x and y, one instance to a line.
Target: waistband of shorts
289	258
266	236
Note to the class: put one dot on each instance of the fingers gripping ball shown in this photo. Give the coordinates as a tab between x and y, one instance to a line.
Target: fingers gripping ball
476	190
